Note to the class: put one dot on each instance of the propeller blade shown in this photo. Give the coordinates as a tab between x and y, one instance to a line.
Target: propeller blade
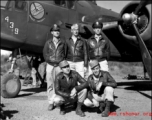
141	5
146	57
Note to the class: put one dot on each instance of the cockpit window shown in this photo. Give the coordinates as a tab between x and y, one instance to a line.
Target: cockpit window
60	3
21	5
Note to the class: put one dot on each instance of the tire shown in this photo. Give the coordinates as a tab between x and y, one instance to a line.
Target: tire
10	85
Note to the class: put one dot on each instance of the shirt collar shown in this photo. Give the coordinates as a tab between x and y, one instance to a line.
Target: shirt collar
97	36
73	37
55	39
70	75
100	74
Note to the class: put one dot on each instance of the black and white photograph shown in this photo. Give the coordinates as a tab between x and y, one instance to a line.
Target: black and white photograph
76	60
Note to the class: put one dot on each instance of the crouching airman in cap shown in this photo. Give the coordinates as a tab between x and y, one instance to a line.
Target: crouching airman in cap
101	89
67	88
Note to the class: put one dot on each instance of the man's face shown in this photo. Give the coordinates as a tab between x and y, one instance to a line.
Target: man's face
75	32
66	69
97	31
96	70
56	33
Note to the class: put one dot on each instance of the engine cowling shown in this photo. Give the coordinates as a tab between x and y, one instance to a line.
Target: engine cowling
143	24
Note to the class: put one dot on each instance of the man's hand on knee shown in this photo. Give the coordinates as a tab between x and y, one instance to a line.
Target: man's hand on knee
96	103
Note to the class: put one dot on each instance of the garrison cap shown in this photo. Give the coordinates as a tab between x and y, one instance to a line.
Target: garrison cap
97	24
93	63
55	27
63	63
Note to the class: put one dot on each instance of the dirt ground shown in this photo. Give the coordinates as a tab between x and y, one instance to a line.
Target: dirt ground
132	102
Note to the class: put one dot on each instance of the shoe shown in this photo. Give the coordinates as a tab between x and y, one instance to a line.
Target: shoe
79	111
74	105
62	111
51	107
106	112
101	107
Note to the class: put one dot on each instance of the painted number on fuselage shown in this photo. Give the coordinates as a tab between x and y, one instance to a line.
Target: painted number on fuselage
12	25
16	30
7	19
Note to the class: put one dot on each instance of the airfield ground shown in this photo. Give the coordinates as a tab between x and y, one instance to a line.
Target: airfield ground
132	102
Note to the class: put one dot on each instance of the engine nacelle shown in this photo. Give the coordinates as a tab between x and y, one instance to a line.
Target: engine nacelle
143	24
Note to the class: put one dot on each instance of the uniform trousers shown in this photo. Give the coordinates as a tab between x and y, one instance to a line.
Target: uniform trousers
80	97
78	67
108	94
51	72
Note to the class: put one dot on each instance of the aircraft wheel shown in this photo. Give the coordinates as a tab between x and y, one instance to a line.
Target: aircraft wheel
10	85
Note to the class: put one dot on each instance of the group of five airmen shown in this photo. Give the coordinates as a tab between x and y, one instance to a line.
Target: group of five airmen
68	63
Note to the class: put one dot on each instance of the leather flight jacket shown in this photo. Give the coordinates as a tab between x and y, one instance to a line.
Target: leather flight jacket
77	52
105	78
53	55
64	87
99	51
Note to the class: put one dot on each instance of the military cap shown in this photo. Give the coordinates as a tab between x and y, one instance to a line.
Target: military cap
55	27
97	24
93	63
63	63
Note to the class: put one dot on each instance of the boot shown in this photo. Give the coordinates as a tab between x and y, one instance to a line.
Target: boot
78	110
101	107
106	112
50	107
62	111
74	105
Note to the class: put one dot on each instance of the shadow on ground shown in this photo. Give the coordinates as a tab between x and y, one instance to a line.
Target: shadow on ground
136	85
24	95
36	90
6	113
69	108
10	113
92	110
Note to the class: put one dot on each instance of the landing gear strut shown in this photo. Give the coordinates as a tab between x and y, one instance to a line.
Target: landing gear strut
10	83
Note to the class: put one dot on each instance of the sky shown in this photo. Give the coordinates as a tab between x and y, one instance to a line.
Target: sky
116	6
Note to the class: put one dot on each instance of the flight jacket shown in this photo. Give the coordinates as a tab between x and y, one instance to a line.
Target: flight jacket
99	51
77	52
64	87
53	55
105	78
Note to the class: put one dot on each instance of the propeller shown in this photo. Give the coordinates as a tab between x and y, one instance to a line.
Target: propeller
146	57
133	16
133	20
125	18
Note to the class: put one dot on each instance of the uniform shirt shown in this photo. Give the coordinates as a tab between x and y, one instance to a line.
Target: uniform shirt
97	37
56	42
74	39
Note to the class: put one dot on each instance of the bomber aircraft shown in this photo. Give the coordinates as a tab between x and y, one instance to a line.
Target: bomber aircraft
25	27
